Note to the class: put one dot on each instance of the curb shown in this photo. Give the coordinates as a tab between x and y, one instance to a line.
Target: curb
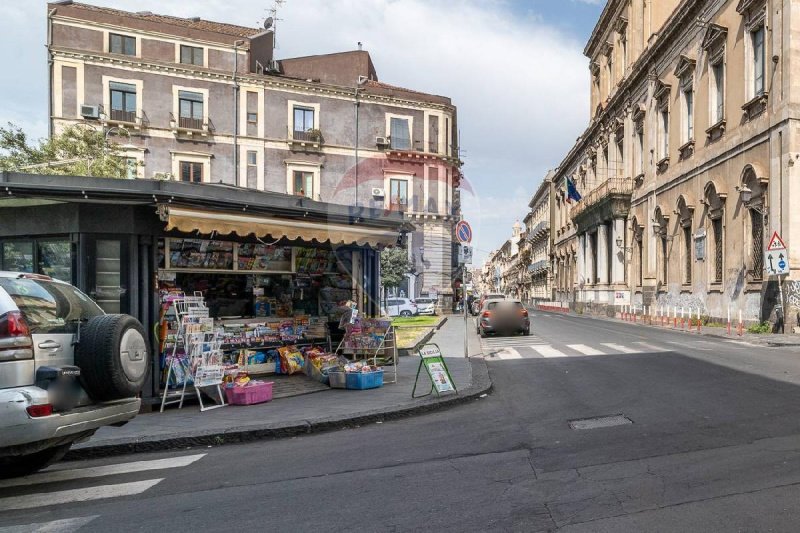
481	384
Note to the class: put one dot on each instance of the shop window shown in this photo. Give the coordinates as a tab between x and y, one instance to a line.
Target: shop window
123	101
121	44
190	110
191	171
49	257
398	194
399	134
192	55
303	183
18	256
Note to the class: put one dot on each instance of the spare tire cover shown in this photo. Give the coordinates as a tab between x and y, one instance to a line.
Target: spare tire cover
113	356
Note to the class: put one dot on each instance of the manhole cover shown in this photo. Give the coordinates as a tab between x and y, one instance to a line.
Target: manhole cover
600	422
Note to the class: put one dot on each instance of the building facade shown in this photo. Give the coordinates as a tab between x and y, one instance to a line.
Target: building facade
539	265
207	102
688	163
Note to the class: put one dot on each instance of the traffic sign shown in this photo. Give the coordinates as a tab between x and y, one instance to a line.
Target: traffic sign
464	255
464	232
776	243
776	257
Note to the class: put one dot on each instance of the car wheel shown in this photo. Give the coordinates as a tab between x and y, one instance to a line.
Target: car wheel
23	465
113	356
405	313
482	333
526	332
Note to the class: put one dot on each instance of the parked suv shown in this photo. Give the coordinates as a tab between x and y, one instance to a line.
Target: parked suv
507	316
401	307
66	369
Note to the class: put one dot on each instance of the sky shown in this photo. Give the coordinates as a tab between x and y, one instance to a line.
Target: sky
514	68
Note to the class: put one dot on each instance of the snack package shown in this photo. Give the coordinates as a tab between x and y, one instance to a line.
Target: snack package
291	360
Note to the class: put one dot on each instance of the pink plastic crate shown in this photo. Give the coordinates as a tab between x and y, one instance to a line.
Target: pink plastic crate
249	395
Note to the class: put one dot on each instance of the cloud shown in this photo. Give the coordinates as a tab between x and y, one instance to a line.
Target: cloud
520	85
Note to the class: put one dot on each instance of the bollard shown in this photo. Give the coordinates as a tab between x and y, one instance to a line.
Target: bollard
683	323
699	322
741	324
674	317
729	320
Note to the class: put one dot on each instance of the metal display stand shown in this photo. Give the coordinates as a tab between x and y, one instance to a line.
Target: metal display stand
433	362
349	346
201	360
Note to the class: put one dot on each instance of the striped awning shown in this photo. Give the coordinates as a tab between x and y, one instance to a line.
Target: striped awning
225	223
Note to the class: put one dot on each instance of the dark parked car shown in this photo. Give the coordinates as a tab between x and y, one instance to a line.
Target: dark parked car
499	317
66	369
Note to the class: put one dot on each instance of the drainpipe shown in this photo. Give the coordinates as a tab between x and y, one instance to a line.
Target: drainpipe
356	148
50	87
236	45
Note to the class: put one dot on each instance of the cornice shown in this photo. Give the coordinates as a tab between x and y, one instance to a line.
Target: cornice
266	81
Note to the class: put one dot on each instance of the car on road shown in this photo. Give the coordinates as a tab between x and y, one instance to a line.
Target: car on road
476	306
426	305
401	307
499	317
66	369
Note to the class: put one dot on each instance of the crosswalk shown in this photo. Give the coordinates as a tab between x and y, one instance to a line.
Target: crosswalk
86	484
534	347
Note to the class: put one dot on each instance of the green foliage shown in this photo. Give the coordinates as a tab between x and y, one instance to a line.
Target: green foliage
429	321
394	266
763	327
78	150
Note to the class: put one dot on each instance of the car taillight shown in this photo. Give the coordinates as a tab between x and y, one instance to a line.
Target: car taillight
487	314
38	410
15	337
523	312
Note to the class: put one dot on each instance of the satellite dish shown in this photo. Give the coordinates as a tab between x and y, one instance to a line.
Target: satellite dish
268	23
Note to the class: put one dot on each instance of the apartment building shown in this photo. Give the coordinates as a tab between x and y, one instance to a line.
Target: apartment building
688	163
539	268
208	102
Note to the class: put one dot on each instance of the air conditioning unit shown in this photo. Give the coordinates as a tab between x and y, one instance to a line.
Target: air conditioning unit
274	66
378	192
382	141
90	111
162	176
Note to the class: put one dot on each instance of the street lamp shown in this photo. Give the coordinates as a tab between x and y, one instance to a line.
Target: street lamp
745	193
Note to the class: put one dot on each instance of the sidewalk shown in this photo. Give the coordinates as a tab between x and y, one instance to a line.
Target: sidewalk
320	411
758	339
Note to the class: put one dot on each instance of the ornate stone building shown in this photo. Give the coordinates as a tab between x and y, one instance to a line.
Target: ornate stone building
688	163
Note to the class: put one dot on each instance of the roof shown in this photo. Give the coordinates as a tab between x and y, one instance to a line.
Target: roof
195	23
394	90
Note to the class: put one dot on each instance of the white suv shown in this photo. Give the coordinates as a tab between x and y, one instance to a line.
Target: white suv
401	307
66	369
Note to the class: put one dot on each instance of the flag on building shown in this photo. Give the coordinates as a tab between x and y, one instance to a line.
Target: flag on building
572	192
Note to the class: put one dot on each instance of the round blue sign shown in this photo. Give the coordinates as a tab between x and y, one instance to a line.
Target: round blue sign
781	264
464	232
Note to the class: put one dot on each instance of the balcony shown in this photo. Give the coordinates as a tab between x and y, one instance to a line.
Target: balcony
307	141
123	119
611	199
540	230
190	126
539	267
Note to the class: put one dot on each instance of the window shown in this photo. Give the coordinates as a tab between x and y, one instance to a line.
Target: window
757	233
663	130
664	260
18	256
687	255
398	194
251	157
688	114
192	55
640	149
303	123
620	156
191	171
718	250
640	246
757	42
50	307
252	118
121	44
303	183
49	257
717	92
610	72
190	109
123	101
399	134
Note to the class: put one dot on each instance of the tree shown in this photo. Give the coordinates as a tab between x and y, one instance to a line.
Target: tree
78	150
394	266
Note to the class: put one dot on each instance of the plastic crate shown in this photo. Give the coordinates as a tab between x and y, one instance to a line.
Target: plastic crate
337	380
365	380
253	394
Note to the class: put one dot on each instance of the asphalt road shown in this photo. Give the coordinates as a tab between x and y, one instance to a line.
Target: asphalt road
712	445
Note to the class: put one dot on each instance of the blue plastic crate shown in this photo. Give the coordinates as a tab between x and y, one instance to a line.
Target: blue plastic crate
364	380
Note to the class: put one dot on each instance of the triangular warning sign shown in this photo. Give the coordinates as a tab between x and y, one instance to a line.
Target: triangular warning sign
775	243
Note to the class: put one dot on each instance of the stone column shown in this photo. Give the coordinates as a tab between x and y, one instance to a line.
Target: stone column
602	254
618	255
591	275
582	258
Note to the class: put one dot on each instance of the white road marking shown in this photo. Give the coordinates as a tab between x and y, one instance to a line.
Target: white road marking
689	346
67	525
743	343
585	350
619	347
46	499
547	350
100	471
508	353
652	347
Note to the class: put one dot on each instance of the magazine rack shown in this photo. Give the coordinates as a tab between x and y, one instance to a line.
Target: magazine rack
370	339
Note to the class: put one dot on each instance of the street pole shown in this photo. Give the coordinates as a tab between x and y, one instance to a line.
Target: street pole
464	305
783	311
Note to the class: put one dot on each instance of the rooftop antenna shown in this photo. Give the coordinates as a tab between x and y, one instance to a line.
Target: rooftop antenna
272	20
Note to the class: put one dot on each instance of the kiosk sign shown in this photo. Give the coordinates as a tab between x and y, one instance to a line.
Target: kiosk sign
432	360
